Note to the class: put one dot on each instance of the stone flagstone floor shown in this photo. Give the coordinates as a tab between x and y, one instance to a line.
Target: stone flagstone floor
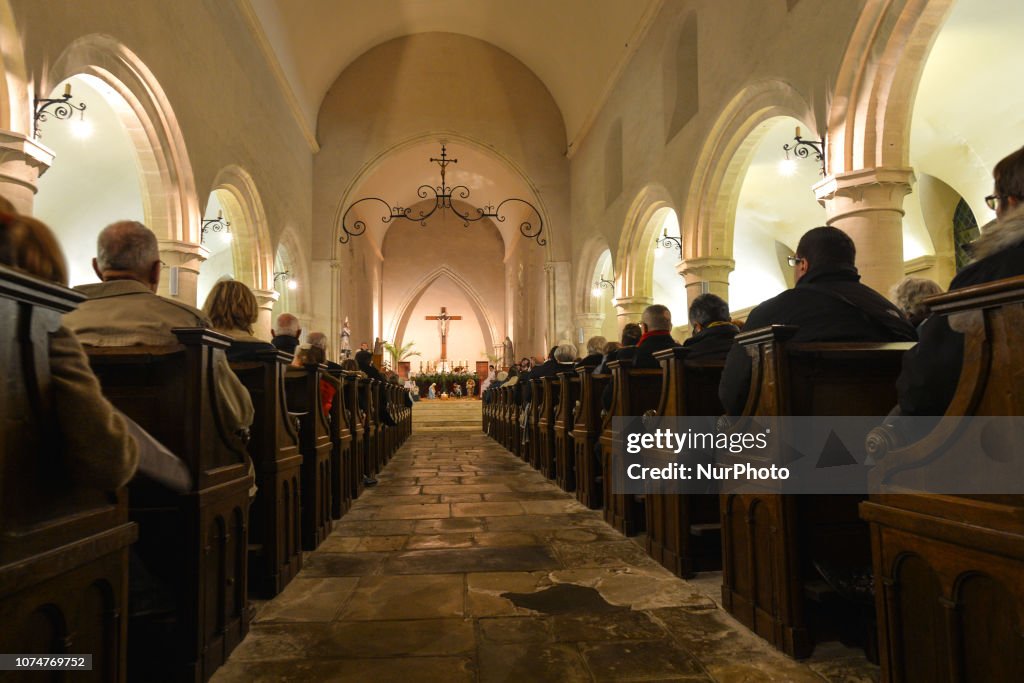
465	564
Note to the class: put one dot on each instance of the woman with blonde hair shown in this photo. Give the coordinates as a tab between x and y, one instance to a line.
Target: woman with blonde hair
98	448
232	309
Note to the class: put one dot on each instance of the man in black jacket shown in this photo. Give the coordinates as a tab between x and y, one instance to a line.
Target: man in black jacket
713	331
931	370
828	304
560	359
656	325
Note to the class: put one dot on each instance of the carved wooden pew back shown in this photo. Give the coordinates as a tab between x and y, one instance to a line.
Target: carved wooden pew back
63	547
565	459
303	396
586	431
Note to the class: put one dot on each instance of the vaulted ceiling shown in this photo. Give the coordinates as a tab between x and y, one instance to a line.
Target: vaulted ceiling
575	47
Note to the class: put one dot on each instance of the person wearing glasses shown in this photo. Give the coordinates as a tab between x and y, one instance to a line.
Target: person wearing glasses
931	370
828	303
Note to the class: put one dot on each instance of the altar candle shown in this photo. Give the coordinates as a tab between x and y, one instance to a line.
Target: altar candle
67	90
798	131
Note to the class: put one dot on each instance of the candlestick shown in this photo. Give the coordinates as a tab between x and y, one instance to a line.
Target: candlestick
798	131
67	90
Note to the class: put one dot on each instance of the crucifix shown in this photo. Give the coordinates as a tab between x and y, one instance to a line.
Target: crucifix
442	325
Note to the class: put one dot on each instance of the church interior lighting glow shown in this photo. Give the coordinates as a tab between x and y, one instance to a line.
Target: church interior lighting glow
787	167
803	149
61	108
602	283
217	224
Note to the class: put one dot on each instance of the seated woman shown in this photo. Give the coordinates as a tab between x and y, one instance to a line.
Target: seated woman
232	309
329	386
99	451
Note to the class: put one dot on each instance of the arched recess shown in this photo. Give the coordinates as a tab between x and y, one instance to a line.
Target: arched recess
400	320
250	244
710	210
290	256
869	120
633	254
594	258
171	208
14	90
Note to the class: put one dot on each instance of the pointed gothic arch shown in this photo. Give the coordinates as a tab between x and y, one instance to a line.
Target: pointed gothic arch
633	255
400	320
250	246
587	262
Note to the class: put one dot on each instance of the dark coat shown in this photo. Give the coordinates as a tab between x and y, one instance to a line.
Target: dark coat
603	369
548	368
711	343
591	361
642	356
286	343
827	305
931	370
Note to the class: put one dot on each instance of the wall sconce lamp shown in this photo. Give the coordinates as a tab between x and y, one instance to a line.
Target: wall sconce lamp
667	241
285	275
60	108
601	283
804	148
217	224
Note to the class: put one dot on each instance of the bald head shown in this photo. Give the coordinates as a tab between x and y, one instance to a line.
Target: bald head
128	250
657	317
287	325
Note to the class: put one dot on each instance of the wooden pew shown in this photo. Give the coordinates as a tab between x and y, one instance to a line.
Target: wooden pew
341	449
684	530
357	424
195	543
949	569
769	541
565	459
63	547
548	398
634	392
534	446
275	552
303	392
586	430
371	435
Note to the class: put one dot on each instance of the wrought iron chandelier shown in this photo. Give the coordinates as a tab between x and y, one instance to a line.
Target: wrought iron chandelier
443	195
60	108
803	149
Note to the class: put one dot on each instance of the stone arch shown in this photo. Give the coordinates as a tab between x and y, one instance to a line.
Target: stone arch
291	256
632	255
587	262
171	206
250	246
869	120
15	107
706	223
400	320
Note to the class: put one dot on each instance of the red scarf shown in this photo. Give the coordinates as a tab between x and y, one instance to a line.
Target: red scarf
652	333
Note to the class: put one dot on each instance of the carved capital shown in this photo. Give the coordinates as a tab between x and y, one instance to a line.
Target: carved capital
866	190
22	161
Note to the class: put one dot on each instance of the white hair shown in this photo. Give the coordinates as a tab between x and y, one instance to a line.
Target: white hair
287	324
318	339
565	353
596	344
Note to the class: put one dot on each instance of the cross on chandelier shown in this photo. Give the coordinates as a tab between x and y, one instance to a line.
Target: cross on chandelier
443	195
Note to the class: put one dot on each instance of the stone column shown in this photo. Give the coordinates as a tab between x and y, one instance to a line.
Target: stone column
706	275
182	261
868	206
559	301
265	299
588	325
22	161
630	308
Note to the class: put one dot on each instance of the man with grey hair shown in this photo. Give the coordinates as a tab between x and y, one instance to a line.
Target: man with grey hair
713	331
286	333
656	326
124	309
560	359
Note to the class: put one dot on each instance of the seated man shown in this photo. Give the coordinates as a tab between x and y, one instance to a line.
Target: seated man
931	370
124	309
828	304
656	325
365	361
560	359
713	331
595	352
286	333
